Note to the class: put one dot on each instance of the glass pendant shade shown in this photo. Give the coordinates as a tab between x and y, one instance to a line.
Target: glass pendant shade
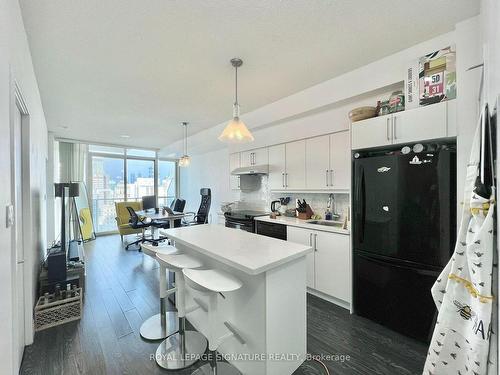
236	132
184	161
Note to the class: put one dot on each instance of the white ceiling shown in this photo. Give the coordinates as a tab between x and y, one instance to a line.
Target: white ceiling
107	68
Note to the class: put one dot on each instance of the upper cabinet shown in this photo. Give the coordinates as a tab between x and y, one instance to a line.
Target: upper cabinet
277	167
340	161
287	166
318	162
424	123
258	156
295	173
328	162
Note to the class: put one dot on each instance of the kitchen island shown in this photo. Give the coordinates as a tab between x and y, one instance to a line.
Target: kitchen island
268	311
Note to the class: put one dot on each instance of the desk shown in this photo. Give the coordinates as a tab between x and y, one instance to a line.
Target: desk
159	217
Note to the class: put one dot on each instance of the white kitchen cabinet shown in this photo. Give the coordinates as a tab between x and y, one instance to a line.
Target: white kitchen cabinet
234	162
332	265
372	132
257	156
303	237
340	161
415	125
295	172
420	124
328	266
277	167
318	162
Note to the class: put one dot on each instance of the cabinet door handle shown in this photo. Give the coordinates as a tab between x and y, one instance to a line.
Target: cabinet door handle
326	174
387	128
310	239
283	179
253	158
286	179
239	182
315	242
331	177
394	125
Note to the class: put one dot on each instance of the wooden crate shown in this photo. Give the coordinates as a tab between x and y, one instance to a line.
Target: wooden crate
58	312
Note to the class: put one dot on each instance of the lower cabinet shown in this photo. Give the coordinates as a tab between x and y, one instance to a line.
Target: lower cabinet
328	267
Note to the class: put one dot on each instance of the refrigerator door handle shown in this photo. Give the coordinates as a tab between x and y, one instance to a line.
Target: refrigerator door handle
387	129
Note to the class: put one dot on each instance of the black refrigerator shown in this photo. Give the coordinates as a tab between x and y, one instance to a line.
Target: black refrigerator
404	228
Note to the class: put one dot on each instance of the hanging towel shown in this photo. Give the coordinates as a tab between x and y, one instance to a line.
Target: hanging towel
464	338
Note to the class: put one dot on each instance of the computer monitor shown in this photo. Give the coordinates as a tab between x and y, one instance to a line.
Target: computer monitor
148	202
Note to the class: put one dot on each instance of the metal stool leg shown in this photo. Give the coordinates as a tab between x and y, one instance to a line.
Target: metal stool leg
184	348
164	324
214	367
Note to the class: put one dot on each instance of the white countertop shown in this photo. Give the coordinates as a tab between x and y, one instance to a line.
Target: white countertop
245	251
296	222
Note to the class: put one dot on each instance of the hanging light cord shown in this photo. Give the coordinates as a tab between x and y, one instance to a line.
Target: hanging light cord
236	85
185	138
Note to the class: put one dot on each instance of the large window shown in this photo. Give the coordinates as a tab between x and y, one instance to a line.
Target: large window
119	174
140	178
108	187
166	182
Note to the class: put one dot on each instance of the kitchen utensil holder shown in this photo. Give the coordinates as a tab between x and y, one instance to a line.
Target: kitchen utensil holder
58	312
305	215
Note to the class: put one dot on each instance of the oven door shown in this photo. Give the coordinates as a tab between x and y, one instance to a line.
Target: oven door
246	225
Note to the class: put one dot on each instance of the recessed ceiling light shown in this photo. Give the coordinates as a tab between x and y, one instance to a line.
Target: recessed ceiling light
125	136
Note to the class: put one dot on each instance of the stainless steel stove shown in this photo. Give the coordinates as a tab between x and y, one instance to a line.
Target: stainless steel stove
243	219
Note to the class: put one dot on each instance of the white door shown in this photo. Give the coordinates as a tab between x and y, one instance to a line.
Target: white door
332	265
277	167
303	237
340	161
295	174
234	162
420	124
260	156
246	158
372	132
18	288
317	162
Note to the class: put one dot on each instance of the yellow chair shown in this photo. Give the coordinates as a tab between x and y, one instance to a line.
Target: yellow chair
122	217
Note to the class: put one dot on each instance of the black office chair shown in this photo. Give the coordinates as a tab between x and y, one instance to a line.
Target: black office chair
177	205
201	217
138	222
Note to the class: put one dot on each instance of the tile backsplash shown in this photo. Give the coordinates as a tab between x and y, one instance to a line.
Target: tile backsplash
262	197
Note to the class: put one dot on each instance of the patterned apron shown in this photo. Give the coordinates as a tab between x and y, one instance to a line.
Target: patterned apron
464	340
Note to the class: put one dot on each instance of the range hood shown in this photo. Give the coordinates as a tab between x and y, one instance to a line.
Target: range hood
252	170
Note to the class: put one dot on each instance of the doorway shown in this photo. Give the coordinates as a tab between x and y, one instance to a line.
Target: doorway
19	181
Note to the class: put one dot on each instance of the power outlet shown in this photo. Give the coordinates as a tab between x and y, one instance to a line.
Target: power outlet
9	216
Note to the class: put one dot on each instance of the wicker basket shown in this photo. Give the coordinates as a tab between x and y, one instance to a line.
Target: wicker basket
58	312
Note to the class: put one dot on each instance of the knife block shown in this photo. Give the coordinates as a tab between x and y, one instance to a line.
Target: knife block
305	215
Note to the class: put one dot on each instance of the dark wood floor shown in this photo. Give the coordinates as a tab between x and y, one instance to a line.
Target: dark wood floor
122	290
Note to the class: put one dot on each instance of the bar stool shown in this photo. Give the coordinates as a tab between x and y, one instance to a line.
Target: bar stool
184	348
164	324
213	282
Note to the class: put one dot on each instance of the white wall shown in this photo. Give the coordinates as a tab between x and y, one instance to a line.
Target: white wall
206	170
16	64
323	108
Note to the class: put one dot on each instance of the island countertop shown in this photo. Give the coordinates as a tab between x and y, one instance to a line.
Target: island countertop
245	251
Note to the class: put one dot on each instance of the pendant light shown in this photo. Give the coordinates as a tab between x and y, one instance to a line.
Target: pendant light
185	160
236	130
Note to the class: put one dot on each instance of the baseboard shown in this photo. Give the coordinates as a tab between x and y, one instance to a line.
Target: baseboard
326	297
